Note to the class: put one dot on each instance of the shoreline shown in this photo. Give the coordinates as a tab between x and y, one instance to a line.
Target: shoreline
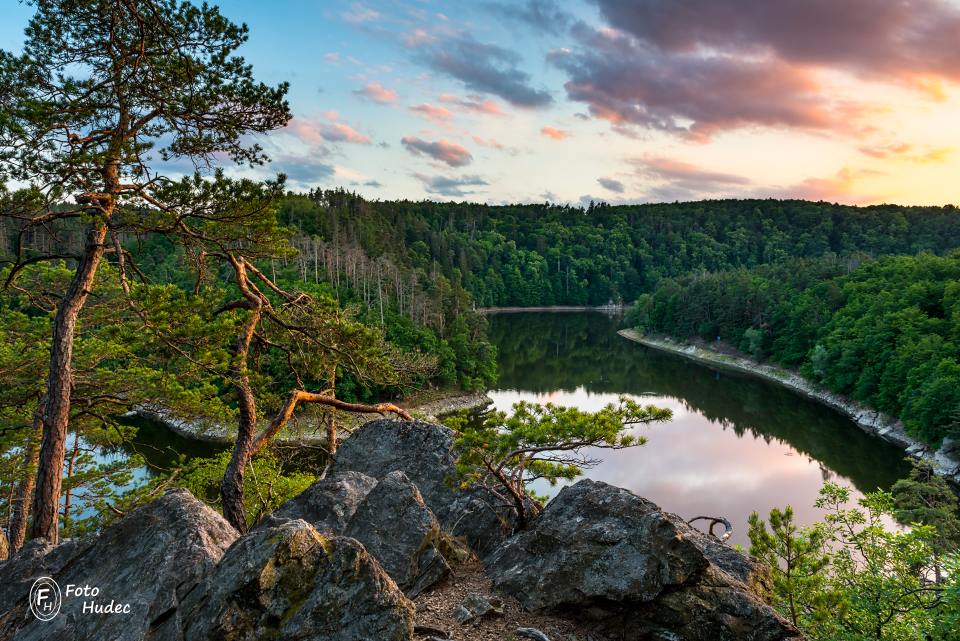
869	420
430	411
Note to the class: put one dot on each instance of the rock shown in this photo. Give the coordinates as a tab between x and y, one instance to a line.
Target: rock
329	503
420	450
150	559
291	582
423	452
531	633
394	524
603	552
477	605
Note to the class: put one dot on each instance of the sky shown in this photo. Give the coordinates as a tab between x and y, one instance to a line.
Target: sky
497	101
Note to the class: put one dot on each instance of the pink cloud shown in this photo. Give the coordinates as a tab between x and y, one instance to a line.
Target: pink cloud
320	132
473	103
555	134
443	150
377	93
431	112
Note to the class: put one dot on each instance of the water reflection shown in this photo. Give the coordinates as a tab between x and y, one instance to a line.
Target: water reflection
736	444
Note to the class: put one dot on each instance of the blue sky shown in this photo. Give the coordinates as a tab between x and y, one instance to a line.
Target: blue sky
532	100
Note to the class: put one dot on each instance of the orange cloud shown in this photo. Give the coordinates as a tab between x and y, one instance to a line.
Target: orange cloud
556	134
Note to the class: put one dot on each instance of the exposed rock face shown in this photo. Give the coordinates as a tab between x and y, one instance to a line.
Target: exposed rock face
644	574
329	503
291	582
150	559
423	452
401	532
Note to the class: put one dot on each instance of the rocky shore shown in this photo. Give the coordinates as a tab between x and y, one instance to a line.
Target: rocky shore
386	548
309	434
946	459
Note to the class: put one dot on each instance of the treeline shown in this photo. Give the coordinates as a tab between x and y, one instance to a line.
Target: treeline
885	332
542	254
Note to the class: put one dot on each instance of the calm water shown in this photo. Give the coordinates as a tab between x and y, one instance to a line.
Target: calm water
735	445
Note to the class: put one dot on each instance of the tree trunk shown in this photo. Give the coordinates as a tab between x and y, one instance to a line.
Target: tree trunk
21	507
46	502
231	487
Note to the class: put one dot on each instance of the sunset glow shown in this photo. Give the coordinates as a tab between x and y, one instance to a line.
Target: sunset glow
854	102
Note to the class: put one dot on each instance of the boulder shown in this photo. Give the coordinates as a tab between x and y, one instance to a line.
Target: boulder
291	582
399	530
329	503
423	451
603	552
150	560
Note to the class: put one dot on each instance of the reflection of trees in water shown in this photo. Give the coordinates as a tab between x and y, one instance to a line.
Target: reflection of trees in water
543	352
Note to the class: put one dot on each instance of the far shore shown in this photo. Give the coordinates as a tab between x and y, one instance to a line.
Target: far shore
551	308
868	419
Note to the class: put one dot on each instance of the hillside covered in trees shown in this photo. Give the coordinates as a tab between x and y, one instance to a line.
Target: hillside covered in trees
542	254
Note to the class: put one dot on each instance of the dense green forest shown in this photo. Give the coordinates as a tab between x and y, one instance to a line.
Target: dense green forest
881	331
556	254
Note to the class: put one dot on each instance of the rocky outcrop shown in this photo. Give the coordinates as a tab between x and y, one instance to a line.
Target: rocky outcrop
291	582
389	517
329	503
603	552
149	560
397	528
423	452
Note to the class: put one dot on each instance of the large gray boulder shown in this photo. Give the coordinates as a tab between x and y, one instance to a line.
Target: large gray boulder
289	582
329	503
603	552
424	452
150	559
395	526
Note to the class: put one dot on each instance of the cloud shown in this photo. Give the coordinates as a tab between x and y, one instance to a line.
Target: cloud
839	188
473	103
692	95
481	67
556	134
611	184
443	150
431	112
321	132
878	40
358	14
907	152
669	179
377	93
303	171
449	186
543	15
333	57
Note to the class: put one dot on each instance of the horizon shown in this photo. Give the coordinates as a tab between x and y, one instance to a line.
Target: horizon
568	102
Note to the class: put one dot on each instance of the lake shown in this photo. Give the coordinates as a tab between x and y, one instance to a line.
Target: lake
735	445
